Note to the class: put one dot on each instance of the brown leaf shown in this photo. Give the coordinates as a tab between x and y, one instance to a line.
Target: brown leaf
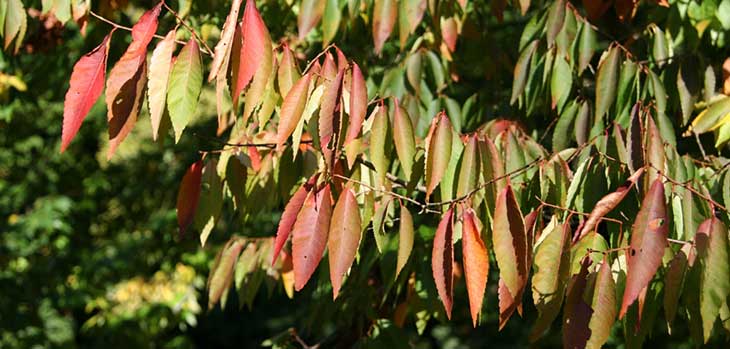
608	203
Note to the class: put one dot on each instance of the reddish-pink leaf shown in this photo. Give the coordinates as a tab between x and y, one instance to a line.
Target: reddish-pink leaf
290	216
384	15
291	110
358	103
310	12
476	263
329	116
442	261
85	87
608	203
124	88
450	32
329	69
255	36
648	241
341	59
576	312
188	196
309	235
223	49
344	238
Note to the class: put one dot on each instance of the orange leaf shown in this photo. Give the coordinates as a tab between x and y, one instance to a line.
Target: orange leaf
442	261
358	103
648	240
291	110
188	196
85	87
344	238
290	216
310	235
476	264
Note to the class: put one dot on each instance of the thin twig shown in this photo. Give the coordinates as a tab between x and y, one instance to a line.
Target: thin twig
690	188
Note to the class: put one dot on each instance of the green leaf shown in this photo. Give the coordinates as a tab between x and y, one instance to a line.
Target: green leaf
603	305
438	152
586	47
688	88
561	82
555	20
405	238
210	203
713	117
403	138
673	284
606	81
186	81
330	21
712	251
469	171
378	142
561	134
521	69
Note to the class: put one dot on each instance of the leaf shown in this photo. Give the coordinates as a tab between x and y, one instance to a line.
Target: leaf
188	196
688	87
210	202
438	153
379	219
555	20
160	68
712	251
521	71
344	238
310	235
634	145
222	50
412	11
378	139
403	138
288	73
414	67
561	82
606	81
577	313
289	217
476	263
222	272
15	20
186	81
310	12
255	53
442	261
550	276
358	103
648	240
331	21
384	15
329	114
561	134
509	241
292	109
713	117
450	32
607	203
604	307
85	87
469	172
405	238
673	284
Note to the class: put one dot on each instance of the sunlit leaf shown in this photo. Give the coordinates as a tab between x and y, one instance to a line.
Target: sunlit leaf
309	235
344	238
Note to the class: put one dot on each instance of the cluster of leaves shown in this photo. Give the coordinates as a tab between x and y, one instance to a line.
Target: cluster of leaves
585	226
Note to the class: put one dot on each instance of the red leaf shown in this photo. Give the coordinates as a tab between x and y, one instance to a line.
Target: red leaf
310	235
648	240
188	196
450	32
358	104
344	238
290	216
86	85
476	264
291	110
608	203
442	261
254	35
127	79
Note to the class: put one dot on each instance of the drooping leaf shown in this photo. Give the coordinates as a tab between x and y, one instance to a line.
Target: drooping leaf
329	115
160	68
476	263
344	238
310	12
712	251
555	20
411	12
509	240
288	73
442	261
188	196
358	103
403	138
222	272
405	238
330	21
606	81
561	82
15	20
309	235
469	172
384	15
449	32
604	307
85	87
222	50
186	81
438	152
673	284
688	87
378	138
521	71
292	109
577	313
255	51
609	202
289	217
648	240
